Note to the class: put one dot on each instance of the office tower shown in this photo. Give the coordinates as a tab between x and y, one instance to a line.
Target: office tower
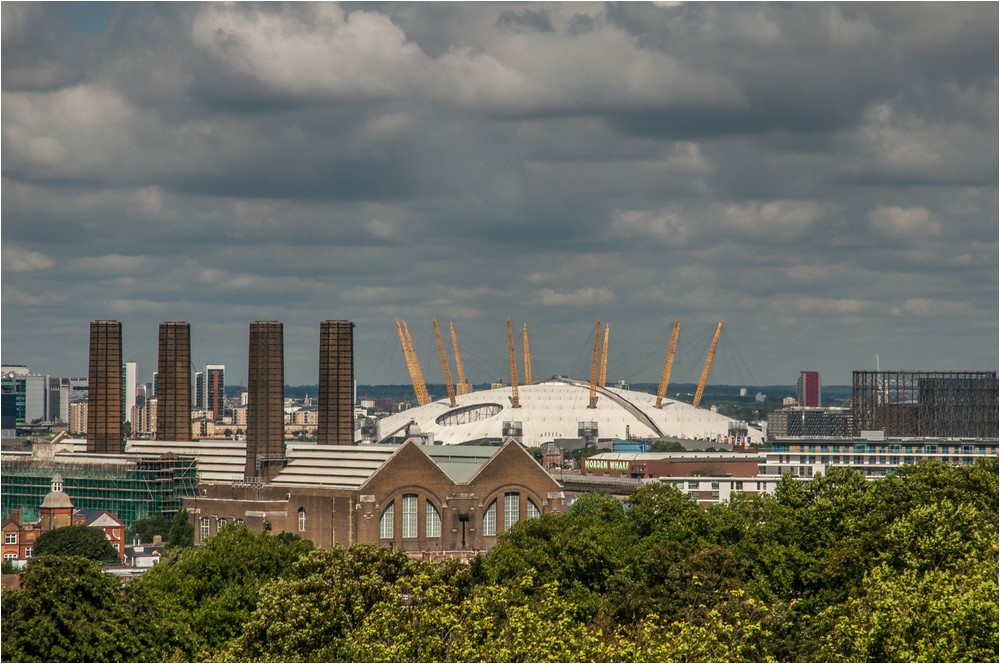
105	434
213	390
57	405
808	389
336	383
266	401
156	382
130	376
173	382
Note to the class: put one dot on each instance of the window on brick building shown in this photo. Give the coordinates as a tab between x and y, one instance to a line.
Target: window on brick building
206	527
490	520
533	511
302	519
10	538
385	523
410	516
511	509
433	521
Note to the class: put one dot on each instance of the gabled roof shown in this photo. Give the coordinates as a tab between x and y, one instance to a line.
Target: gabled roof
99	518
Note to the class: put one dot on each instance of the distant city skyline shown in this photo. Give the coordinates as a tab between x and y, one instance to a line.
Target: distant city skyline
822	178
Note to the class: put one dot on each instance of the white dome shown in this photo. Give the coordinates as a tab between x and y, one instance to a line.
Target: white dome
554	408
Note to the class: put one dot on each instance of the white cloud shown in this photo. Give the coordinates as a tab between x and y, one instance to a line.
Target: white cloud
22	260
904	223
580	297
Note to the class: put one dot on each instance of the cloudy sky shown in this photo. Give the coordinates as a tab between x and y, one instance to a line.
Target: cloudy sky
822	178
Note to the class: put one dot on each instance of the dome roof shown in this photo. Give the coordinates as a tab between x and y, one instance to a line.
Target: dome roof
55	499
556	408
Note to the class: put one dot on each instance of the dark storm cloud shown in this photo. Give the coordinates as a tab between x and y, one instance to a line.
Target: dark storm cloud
822	177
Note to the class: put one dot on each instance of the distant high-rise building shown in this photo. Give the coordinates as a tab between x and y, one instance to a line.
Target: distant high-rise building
336	383
173	382
130	376
199	391
266	400
808	389
214	390
105	433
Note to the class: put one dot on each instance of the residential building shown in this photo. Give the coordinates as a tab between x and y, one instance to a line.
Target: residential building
874	453
807	389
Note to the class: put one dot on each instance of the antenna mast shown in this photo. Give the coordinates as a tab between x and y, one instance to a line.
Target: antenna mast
708	367
593	367
463	386
444	366
516	403
604	358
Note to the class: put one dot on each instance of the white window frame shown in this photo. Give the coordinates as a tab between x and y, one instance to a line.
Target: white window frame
386	527
302	519
533	511
511	509
490	520
432	521
409	523
206	528
10	538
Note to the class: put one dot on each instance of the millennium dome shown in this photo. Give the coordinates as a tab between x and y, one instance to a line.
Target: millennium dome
558	408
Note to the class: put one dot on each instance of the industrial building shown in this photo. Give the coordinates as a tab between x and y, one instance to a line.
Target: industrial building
954	404
172	382
413	497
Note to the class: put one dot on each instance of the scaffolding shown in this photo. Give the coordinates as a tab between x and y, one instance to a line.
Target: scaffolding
953	404
130	489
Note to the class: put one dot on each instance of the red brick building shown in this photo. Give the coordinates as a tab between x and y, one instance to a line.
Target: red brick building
414	497
57	511
651	465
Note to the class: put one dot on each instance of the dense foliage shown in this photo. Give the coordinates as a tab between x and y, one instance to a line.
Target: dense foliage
839	568
89	543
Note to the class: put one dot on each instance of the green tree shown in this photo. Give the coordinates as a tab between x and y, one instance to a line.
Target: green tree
149	527
89	543
181	534
311	613
213	589
67	610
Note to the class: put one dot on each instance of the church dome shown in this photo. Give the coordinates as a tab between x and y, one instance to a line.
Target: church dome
56	499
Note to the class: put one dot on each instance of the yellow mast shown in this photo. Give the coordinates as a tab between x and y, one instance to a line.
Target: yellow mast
444	366
593	367
708	367
419	386
411	365
668	364
604	358
516	403
463	386
527	357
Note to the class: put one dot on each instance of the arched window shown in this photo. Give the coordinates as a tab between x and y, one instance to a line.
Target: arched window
302	519
533	511
385	524
490	520
511	509
433	521
222	522
240	522
410	516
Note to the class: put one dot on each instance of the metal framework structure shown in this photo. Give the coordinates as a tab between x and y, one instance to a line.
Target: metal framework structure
926	403
130	489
